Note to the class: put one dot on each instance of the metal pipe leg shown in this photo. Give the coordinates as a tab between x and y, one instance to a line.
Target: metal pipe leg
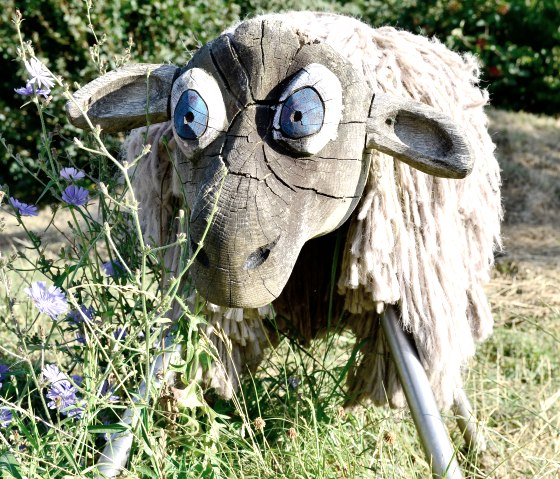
115	454
423	407
466	421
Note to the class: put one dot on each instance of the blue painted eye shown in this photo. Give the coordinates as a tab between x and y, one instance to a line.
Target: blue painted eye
191	115
302	113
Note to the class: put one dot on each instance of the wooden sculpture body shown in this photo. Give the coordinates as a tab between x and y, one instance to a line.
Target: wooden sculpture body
277	134
274	136
285	163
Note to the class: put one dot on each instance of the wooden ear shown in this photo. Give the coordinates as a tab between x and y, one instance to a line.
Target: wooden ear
418	135
132	96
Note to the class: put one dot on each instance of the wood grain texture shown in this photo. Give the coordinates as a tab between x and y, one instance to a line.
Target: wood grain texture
265	51
418	135
273	198
132	96
272	193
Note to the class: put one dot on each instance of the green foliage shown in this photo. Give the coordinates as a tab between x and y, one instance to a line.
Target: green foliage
517	41
111	347
79	40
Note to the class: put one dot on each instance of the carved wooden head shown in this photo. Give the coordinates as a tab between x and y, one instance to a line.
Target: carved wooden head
274	134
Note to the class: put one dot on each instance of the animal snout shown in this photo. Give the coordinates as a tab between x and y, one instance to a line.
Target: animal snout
254	260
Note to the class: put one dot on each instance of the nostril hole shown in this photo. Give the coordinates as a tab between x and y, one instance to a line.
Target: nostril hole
201	256
259	256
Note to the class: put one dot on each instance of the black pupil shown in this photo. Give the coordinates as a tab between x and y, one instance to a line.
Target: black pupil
189	117
297	116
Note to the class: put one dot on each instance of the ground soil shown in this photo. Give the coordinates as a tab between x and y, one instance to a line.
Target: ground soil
527	273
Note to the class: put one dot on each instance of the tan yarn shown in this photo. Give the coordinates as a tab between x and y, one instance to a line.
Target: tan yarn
239	340
425	244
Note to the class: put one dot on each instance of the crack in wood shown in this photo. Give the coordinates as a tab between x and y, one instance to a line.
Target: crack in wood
262	47
269	166
237	58
326	195
223	76
248	176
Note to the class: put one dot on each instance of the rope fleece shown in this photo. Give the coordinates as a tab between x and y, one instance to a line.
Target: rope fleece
423	243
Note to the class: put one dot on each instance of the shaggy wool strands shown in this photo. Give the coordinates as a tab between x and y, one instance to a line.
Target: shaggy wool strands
423	243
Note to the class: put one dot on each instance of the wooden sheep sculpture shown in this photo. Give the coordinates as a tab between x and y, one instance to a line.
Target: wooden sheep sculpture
289	131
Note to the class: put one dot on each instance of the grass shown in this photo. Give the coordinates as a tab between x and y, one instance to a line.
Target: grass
273	429
516	384
287	420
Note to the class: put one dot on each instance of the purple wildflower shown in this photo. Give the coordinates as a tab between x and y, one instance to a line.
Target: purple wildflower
39	73
50	301
45	92
29	89
52	374
23	209
113	268
71	174
78	316
75	195
26	90
75	411
3	372
120	334
107	390
62	393
80	338
6	417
